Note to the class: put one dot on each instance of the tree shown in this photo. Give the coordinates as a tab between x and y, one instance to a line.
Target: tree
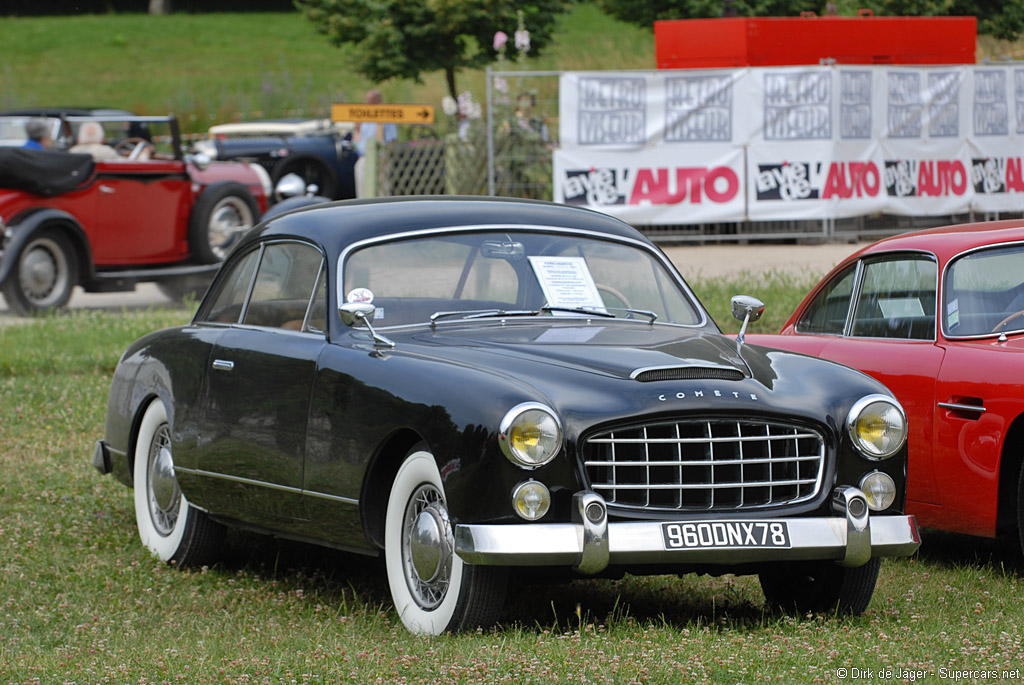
406	38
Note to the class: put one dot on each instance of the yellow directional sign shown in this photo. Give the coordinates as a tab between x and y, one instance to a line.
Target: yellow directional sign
385	114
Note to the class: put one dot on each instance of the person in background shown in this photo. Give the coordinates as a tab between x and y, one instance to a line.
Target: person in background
384	133
90	141
38	131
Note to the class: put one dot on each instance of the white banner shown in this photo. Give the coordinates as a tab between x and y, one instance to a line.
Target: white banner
670	147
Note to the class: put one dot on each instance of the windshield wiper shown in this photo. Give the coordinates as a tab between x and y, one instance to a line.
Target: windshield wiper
481	313
579	310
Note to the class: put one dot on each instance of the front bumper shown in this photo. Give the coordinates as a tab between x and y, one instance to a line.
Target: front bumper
590	543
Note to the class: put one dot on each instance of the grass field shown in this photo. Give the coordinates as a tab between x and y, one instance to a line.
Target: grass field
81	601
213	68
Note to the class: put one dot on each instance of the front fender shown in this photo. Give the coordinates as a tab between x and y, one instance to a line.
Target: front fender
25	225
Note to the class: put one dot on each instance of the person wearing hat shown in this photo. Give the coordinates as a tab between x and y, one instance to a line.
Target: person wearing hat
38	131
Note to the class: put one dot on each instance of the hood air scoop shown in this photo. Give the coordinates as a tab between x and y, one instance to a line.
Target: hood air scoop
687	373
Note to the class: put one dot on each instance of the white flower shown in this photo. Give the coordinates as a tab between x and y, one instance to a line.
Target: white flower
500	84
449	105
522	40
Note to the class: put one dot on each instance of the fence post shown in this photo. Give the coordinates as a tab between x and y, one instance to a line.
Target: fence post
371	176
490	134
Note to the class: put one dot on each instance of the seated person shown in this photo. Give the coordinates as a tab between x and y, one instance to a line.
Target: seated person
90	141
38	132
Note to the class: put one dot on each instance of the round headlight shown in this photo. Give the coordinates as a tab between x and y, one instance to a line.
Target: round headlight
531	500
877	426
879	490
530	435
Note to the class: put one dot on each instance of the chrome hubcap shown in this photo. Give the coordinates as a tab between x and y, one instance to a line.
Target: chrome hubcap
164	493
42	271
229	218
428	546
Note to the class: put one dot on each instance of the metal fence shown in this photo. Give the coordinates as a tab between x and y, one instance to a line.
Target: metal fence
509	153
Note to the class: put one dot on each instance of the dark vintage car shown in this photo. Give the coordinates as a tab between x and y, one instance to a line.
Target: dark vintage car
148	213
938	316
472	386
317	150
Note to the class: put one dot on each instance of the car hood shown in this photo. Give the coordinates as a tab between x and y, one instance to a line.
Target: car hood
644	367
614	349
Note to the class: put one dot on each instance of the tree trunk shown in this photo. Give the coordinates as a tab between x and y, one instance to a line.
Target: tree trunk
159	6
449	74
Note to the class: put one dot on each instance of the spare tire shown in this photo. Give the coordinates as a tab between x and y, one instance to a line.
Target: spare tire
223	212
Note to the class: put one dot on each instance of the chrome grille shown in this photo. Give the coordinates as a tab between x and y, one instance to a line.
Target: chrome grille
706	465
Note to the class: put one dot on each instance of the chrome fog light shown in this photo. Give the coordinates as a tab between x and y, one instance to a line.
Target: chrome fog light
531	500
877	426
530	435
879	489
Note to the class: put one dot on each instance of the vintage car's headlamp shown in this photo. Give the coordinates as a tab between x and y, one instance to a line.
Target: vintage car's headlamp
879	490
531	500
877	426
530	435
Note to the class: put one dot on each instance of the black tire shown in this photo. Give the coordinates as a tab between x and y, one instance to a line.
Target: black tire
221	215
434	591
311	170
44	274
821	587
169	527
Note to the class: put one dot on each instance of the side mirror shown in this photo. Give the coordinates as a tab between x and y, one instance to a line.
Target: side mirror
746	309
353	313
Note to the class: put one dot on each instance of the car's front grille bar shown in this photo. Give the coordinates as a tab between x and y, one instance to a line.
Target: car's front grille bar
706	465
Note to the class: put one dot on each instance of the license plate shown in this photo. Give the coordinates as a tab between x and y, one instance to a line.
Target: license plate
725	534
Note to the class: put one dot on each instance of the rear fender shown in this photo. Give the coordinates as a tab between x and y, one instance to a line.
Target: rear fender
25	225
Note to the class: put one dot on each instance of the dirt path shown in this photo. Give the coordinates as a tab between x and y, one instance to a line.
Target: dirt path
694	261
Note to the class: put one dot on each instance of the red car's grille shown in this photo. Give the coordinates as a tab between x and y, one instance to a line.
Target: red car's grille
706	465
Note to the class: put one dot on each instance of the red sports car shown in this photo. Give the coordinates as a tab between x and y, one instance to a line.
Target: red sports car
938	317
146	212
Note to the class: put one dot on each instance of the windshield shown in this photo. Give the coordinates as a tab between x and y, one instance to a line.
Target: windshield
984	292
512	273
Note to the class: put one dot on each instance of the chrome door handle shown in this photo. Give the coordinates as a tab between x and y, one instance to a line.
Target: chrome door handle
223	365
106	189
963	407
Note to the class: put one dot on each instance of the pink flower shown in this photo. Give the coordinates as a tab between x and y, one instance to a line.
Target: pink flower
500	38
522	40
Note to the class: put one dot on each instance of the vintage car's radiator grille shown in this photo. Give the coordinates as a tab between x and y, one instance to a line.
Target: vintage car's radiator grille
706	465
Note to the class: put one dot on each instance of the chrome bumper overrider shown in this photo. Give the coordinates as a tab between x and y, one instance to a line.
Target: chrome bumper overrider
590	543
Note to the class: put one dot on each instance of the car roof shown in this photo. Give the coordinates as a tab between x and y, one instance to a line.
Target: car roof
948	241
339	224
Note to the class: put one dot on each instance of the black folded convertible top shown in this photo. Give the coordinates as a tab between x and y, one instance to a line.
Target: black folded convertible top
43	172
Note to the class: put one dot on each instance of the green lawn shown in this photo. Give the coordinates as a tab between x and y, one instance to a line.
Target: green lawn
81	601
213	68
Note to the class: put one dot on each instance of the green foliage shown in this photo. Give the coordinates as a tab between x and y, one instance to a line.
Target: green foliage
406	38
645	12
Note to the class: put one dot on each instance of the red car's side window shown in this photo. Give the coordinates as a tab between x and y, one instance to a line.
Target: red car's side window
897	299
826	314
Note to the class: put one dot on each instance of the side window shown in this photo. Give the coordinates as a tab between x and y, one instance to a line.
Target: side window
897	299
227	304
827	312
283	290
318	311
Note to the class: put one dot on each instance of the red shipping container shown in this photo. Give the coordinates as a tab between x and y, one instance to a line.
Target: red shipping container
776	41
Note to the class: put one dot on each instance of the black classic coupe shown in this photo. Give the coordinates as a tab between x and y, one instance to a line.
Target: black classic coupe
473	386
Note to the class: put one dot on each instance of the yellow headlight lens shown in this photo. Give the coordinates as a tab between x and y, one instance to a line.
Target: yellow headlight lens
531	500
530	435
877	426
